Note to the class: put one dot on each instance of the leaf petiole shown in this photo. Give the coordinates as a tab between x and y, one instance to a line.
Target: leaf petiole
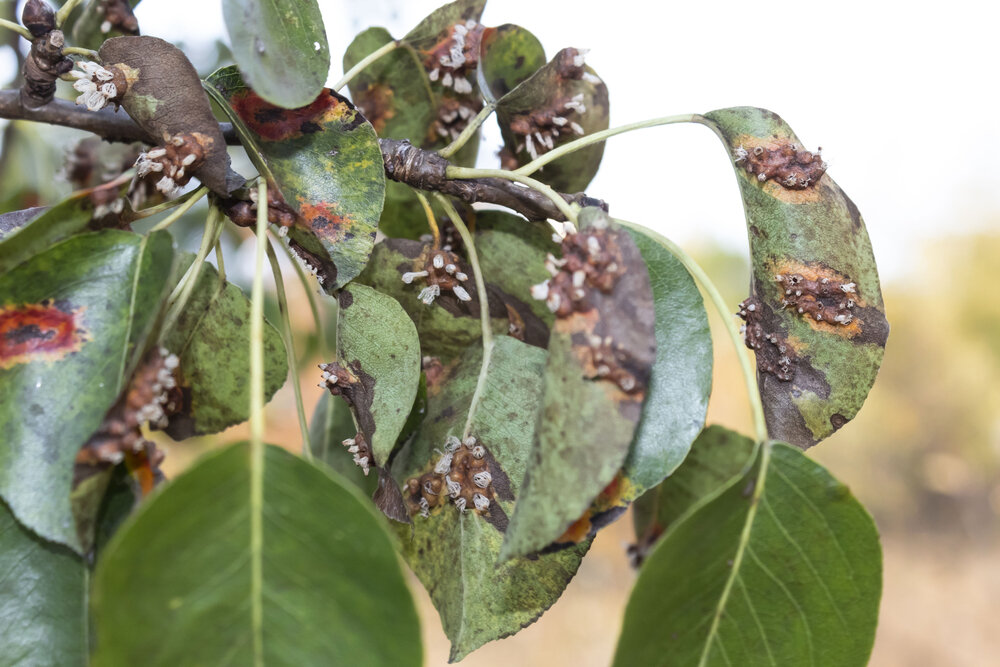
65	11
431	220
181	209
18	28
178	300
365	62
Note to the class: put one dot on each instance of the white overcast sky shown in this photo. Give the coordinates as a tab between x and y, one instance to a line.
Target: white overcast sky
902	96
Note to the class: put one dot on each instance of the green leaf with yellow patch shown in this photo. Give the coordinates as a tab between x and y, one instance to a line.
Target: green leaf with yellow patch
73	322
454	552
323	160
815	317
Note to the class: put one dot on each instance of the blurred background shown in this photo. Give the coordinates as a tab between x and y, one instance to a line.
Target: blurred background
901	98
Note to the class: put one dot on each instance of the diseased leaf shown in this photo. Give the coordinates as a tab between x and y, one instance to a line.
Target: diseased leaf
331	424
508	55
454	553
211	340
438	24
280	48
818	332
73	320
561	101
43	591
325	162
24	235
301	574
165	98
780	567
601	352
716	457
377	344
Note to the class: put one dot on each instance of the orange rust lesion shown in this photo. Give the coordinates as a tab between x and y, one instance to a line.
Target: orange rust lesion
323	218
820	295
39	332
612	496
779	160
274	123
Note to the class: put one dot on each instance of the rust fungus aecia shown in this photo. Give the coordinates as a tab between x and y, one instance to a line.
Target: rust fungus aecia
823	300
591	260
460	474
438	268
98	86
784	162
774	355
169	167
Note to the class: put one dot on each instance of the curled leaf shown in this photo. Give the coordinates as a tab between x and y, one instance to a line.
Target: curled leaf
164	97
815	317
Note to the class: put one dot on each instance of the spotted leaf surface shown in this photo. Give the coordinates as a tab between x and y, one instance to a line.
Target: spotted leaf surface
782	566
454	553
165	98
71	318
325	162
716	457
210	339
508	55
377	343
815	316
43	592
229	576
562	101
280	48
601	352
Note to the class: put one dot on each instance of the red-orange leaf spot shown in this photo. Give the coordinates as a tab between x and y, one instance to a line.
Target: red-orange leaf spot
39	332
323	215
273	123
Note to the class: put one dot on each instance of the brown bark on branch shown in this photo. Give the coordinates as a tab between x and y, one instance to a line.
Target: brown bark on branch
404	162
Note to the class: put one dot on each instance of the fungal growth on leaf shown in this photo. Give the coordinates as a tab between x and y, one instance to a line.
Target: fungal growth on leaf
98	86
774	355
823	300
591	259
169	167
460	474
439	269
785	162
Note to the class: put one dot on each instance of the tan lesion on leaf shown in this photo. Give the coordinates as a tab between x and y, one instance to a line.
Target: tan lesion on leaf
377	104
826	299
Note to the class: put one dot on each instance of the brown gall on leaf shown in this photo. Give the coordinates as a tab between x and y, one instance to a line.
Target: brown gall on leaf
784	162
359	448
775	355
358	389
828	300
151	397
452	61
464	474
46	331
168	168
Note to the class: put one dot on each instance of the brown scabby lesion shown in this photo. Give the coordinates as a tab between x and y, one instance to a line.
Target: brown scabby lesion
460	475
774	354
822	300
438	269
350	384
784	162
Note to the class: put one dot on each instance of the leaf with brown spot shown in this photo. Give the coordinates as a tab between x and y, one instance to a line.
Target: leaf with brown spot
454	554
559	103
814	374
165	97
324	161
75	320
508	55
601	353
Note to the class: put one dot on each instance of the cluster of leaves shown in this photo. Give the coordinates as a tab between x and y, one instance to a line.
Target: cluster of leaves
511	391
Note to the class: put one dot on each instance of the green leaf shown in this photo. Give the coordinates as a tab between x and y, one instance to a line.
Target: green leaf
75	319
575	459
280	47
439	24
211	340
87	26
454	554
325	162
331	424
780	567
196	583
681	379
815	232
377	342
43	589
165	97
559	89
716	457
508	55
